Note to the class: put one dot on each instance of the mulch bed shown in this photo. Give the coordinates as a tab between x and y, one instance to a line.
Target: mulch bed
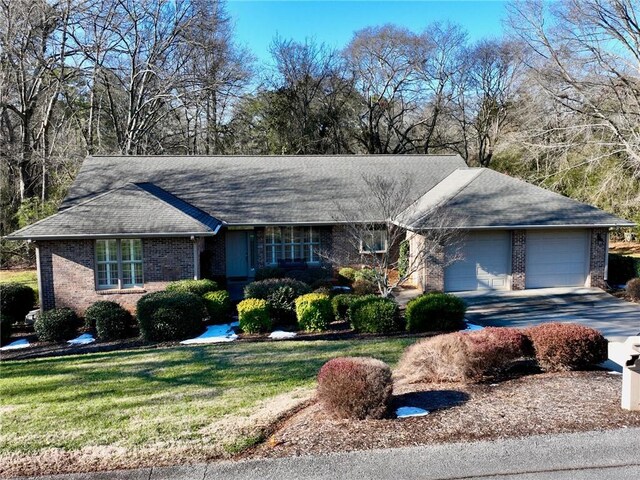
530	405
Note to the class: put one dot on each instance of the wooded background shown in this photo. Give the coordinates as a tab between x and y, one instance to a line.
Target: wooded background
555	100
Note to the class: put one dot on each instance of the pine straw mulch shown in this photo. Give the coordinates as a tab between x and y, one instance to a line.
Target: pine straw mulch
530	405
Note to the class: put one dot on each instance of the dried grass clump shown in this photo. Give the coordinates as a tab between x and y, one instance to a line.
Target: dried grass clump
633	289
567	346
355	388
462	357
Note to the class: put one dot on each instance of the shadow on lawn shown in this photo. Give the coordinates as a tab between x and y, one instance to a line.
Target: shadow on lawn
431	400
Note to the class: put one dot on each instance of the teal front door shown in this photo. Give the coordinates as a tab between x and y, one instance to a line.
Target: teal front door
239	247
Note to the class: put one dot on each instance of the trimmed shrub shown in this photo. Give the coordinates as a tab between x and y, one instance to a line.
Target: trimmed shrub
364	287
435	312
16	300
567	346
263	288
374	315
253	315
218	305
633	289
56	325
170	315
355	388
6	327
622	268
269	272
347	274
367	274
197	287
340	304
109	319
462	357
314	312
309	275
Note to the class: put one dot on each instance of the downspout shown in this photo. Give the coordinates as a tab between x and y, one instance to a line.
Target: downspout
196	258
39	275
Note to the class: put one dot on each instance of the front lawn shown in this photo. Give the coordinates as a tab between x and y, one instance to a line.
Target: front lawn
157	406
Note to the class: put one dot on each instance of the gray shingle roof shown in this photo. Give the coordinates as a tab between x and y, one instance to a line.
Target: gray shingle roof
130	210
483	198
258	190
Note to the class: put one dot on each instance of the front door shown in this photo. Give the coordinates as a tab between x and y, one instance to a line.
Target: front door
239	247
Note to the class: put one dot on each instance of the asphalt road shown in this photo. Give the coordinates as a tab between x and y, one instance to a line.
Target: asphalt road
605	455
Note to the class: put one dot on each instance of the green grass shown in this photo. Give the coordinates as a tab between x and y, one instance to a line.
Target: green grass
26	277
172	396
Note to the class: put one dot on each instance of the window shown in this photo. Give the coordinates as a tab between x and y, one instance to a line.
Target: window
374	241
292	243
118	263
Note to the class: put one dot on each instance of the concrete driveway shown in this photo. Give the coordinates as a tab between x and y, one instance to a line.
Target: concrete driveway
588	306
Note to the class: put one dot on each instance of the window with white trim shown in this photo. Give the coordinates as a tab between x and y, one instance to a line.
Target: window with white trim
292	243
118	263
374	241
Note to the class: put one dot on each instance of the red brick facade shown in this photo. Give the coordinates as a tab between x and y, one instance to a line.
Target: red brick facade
68	279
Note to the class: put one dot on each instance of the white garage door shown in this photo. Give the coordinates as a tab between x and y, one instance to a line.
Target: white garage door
556	258
485	264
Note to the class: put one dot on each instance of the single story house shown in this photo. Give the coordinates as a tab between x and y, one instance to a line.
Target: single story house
130	224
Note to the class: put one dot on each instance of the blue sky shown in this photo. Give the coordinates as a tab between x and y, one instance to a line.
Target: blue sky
333	22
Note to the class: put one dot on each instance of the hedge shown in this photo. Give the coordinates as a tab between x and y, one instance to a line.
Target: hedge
435	312
197	287
314	312
16	300
253	315
56	325
218	305
109	319
170	315
374	315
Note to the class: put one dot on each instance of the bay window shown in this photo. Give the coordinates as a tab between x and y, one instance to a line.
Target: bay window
292	243
118	263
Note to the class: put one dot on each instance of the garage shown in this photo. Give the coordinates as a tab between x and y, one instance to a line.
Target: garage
556	258
486	263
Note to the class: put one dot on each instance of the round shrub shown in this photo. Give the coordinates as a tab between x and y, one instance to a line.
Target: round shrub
367	274
340	304
197	287
435	312
56	325
170	315
355	388
218	305
314	312
633	289
6	327
310	275
364	287
263	288
269	272
253	315
462	357
347	274
109	319
374	315
567	346
16	300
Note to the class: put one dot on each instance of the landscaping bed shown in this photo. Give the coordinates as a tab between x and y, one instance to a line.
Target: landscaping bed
530	405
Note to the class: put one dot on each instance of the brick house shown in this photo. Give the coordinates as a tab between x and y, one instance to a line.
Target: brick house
131	224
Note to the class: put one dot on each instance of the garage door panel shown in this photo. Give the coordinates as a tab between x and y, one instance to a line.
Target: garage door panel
556	258
485	264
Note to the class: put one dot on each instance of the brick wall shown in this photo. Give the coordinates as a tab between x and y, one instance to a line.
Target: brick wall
597	257
68	280
518	259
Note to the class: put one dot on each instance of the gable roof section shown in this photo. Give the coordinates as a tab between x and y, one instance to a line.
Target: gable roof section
130	210
477	198
263	190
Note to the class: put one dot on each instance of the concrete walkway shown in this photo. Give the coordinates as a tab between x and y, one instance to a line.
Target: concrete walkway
592	307
591	455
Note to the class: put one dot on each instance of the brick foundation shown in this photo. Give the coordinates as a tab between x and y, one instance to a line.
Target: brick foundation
67	272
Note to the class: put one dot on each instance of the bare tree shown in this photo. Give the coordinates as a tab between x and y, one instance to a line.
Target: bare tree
375	244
